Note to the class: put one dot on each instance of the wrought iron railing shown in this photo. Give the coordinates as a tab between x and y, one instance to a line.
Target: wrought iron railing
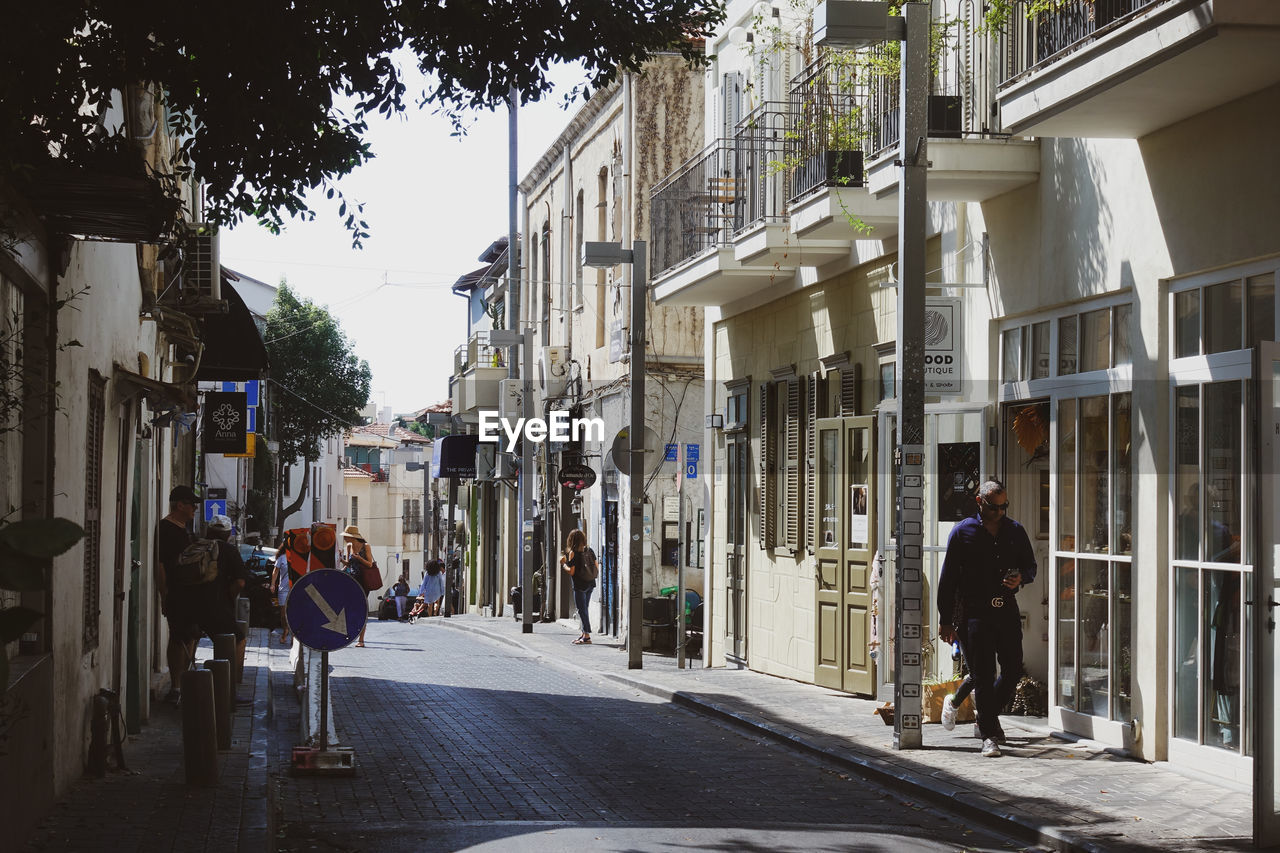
696	208
1045	37
762	140
829	125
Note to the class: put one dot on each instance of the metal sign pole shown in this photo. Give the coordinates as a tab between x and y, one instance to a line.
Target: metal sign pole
324	701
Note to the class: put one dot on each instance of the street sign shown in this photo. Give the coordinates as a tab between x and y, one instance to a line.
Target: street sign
691	455
576	476
212	508
326	609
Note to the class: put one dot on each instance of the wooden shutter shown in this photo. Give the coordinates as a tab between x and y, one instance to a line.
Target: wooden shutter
815	389
793	437
850	382
767	514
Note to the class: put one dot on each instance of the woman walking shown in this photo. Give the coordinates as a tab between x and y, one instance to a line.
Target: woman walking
358	555
580	562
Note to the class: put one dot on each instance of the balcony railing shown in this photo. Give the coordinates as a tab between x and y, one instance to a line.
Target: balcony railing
829	126
1045	37
764	179
696	208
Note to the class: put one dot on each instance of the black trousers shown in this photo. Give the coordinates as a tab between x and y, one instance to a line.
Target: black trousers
987	641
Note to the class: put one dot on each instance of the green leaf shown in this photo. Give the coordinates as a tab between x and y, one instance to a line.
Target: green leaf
41	537
14	621
17	573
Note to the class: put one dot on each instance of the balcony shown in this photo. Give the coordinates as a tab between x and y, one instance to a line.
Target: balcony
478	369
1125	68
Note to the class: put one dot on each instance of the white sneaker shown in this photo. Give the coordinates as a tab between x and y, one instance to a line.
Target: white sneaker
977	732
990	749
949	711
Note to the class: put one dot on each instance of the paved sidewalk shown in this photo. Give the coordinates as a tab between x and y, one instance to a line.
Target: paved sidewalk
1062	793
151	808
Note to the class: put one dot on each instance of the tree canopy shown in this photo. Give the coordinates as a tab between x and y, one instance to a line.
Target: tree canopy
269	98
319	386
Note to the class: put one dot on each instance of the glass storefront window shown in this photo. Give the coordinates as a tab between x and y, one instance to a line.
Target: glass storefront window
1011	365
1262	308
1040	350
1093	473
1222	469
1067	694
1121	437
1095	340
1222	317
1067	345
1095	644
1186	310
1122	640
1121	330
829	521
1067	475
1186	544
1186	653
1222	648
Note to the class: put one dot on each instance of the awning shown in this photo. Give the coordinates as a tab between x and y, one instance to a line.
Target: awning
455	456
233	347
160	394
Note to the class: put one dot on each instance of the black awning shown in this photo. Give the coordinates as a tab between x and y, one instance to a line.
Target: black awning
233	347
455	456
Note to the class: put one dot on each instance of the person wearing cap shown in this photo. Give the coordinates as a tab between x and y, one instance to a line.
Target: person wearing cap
356	556
173	534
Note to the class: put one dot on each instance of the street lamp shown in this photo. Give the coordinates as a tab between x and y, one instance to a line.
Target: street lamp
861	23
610	255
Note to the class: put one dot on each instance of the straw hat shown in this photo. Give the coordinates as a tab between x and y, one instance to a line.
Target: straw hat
352	532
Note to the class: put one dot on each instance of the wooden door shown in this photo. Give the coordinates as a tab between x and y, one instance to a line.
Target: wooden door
846	545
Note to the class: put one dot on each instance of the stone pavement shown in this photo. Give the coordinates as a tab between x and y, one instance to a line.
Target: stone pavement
1049	789
150	807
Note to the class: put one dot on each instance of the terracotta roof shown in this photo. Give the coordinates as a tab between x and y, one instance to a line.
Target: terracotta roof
391	431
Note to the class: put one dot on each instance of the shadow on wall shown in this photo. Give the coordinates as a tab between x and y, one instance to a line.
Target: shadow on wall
1215	180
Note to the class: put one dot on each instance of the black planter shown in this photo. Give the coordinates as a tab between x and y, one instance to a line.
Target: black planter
829	169
945	118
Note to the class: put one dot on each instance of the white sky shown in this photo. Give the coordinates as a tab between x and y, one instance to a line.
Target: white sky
433	203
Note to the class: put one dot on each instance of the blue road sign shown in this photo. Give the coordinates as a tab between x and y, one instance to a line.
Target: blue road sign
691	454
215	507
670	454
326	609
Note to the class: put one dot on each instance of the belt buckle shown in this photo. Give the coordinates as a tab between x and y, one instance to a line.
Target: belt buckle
998	601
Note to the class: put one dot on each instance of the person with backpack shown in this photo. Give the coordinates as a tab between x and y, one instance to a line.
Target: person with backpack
580	562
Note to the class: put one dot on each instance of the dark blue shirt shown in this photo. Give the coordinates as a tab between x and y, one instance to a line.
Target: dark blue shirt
976	564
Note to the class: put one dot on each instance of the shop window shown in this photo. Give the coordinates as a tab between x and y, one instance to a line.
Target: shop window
1210	566
1067	345
1040	350
1012	366
1093	561
1225	315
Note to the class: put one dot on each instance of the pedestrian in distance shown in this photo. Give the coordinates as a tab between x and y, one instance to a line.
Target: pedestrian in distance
232	576
400	589
357	554
580	562
281	583
431	592
988	559
177	603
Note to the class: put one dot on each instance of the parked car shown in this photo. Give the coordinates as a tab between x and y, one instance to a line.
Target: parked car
258	562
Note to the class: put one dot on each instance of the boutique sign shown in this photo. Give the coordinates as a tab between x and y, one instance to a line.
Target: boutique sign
943	365
225	427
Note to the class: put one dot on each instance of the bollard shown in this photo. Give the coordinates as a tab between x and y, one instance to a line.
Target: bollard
224	648
199	735
242	630
221	670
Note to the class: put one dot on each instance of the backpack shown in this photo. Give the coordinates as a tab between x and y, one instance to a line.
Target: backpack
590	568
197	564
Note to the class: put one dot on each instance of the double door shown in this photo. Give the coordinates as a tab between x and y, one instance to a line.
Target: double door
846	546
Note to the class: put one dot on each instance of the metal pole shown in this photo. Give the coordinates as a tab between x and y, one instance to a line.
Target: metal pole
526	488
324	701
635	591
680	546
912	213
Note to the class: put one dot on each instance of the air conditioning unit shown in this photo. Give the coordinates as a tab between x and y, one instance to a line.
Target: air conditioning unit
202	271
509	399
553	370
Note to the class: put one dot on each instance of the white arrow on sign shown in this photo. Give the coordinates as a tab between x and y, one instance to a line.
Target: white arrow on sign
337	621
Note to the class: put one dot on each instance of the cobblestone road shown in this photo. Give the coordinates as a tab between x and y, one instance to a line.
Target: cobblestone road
463	743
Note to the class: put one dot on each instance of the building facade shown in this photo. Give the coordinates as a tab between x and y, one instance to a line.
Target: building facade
1100	278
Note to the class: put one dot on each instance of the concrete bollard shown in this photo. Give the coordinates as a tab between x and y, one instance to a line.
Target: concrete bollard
242	627
221	670
224	648
199	729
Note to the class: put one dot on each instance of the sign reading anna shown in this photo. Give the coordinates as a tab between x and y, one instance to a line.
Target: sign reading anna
225	426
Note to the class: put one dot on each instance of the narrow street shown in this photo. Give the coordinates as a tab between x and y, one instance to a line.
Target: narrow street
465	743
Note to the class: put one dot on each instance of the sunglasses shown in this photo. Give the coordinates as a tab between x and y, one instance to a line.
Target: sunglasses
1004	506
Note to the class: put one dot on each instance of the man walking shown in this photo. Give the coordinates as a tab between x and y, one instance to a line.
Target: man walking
989	558
172	536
